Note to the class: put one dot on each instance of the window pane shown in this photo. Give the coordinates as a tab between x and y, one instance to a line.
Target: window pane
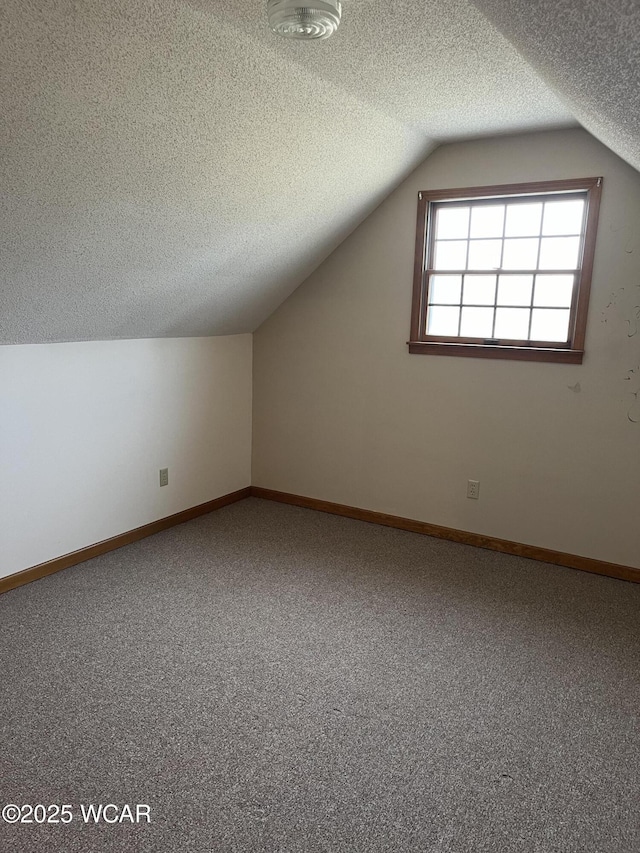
520	254
553	290
445	289
476	322
523	220
559	253
487	220
443	321
479	289
451	255
452	223
548	324
512	323
563	217
515	289
484	254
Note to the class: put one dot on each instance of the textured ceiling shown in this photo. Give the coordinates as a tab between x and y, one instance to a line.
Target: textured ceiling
173	168
589	51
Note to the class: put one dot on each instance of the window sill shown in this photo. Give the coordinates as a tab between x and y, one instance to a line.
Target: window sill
562	356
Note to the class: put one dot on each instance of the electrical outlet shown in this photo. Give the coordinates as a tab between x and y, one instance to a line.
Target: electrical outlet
473	489
164	476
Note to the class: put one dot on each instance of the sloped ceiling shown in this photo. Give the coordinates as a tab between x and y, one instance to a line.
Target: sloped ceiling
587	50
172	168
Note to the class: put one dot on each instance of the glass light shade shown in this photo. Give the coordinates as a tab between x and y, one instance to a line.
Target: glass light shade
318	20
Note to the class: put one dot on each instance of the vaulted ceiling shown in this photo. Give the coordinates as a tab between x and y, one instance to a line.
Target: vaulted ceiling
171	167
588	51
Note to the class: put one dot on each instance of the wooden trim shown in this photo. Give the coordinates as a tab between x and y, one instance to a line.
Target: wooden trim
75	557
564	356
532	552
588	251
423	344
531	188
527	344
418	308
545	555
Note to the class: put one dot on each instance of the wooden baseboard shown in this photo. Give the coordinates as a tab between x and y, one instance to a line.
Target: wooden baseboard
545	555
67	560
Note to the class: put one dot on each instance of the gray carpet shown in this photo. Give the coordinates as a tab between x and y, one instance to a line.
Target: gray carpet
269	678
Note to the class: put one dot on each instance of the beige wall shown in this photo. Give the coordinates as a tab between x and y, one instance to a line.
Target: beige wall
343	413
85	428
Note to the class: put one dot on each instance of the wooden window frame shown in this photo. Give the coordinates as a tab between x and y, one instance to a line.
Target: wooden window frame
572	353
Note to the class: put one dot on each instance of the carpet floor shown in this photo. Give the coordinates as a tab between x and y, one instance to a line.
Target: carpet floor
269	678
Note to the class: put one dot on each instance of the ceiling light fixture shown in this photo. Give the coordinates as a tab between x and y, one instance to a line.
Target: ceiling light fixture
290	19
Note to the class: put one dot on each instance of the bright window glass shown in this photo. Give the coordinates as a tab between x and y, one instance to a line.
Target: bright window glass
485	254
553	291
559	253
450	255
512	323
443	320
476	322
548	324
515	289
453	223
479	289
487	221
507	270
445	289
520	254
563	217
523	220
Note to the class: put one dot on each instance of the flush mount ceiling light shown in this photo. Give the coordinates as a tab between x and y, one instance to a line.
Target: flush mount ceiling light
289	18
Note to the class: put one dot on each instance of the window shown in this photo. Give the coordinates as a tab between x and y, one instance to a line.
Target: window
504	272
